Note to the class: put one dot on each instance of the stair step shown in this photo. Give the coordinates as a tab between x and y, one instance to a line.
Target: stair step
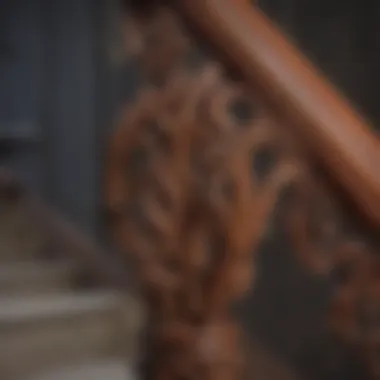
43	332
22	237
99	370
33	277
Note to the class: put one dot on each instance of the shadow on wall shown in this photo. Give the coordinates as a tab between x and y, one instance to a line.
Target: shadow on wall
19	233
287	312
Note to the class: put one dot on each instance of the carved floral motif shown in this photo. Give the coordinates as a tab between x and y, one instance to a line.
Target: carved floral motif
195	169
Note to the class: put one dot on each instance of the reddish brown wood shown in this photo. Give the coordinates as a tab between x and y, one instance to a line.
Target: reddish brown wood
309	104
195	204
192	242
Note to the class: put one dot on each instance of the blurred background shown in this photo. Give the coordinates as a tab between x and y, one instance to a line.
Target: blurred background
64	73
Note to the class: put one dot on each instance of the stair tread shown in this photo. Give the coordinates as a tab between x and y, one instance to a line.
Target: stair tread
15	309
37	277
33	268
116	369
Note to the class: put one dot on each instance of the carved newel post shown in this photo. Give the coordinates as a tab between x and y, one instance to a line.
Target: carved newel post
187	203
195	169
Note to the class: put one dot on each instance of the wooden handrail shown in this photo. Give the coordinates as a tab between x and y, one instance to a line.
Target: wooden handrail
301	96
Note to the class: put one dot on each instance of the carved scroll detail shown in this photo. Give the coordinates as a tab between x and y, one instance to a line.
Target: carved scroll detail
195	171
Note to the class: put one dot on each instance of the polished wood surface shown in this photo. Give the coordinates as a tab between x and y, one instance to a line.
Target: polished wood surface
239	134
332	130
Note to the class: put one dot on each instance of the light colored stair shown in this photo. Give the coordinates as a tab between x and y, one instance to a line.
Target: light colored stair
50	326
51	330
99	370
45	332
22	237
36	277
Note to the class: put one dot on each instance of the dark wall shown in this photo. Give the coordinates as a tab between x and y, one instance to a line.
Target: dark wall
21	92
342	38
51	65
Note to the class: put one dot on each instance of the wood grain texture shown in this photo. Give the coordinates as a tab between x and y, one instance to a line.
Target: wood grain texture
204	159
335	133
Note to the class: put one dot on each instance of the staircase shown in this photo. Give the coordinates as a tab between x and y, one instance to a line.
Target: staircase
53	323
56	321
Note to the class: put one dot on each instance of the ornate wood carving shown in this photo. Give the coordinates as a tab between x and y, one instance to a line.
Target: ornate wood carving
198	165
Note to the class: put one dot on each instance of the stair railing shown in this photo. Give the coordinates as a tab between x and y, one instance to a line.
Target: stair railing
211	147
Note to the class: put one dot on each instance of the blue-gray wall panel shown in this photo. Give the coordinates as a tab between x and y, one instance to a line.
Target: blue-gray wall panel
70	109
